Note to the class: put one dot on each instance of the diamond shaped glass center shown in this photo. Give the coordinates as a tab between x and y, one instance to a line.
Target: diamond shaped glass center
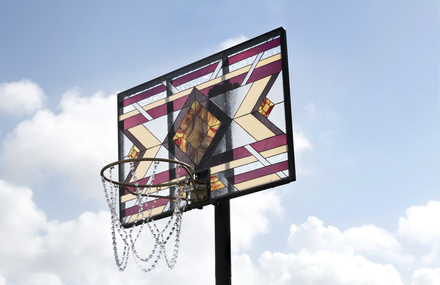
196	132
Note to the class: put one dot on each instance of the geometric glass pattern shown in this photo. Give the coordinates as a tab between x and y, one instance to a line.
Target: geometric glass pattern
229	114
266	107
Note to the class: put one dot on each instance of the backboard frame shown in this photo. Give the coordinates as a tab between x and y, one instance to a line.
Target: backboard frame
167	84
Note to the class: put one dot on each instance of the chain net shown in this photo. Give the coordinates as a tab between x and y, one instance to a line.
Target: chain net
129	236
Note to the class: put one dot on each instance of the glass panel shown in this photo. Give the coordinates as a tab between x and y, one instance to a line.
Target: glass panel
228	113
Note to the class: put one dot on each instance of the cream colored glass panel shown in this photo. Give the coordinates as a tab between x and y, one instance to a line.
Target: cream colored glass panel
274	151
127	197
233	164
257	182
254	127
144	136
268	60
128	115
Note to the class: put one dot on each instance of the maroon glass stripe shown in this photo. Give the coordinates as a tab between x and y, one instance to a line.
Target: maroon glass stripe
266	70
196	74
146	206
144	95
134	121
161	110
254	51
270	143
240	153
178	104
261	172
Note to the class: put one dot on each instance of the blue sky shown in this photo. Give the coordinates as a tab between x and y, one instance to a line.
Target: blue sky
364	79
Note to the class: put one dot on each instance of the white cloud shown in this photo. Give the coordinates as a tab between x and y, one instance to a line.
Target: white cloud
372	240
358	255
74	244
21	222
39	278
21	98
301	142
314	236
250	217
76	143
367	240
80	251
243	271
321	267
325	255
36	251
232	42
421	224
426	276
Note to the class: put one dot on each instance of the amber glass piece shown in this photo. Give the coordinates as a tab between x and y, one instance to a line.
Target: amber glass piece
216	184
193	108
266	107
203	113
196	132
181	143
198	108
208	138
134	152
211	120
184	125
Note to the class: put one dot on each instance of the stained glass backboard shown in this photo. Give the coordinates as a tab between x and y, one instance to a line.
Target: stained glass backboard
228	114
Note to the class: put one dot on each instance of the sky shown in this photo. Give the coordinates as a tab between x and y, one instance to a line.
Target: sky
364	80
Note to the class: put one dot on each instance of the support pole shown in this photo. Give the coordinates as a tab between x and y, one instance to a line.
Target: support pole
222	243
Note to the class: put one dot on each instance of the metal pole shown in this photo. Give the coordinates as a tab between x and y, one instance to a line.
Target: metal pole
222	244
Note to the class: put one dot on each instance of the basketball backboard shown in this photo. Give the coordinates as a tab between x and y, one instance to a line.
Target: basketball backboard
228	115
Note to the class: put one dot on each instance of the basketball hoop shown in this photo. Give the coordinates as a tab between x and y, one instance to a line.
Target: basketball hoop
197	186
178	200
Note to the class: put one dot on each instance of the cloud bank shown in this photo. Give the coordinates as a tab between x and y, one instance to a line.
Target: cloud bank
21	98
79	251
73	144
